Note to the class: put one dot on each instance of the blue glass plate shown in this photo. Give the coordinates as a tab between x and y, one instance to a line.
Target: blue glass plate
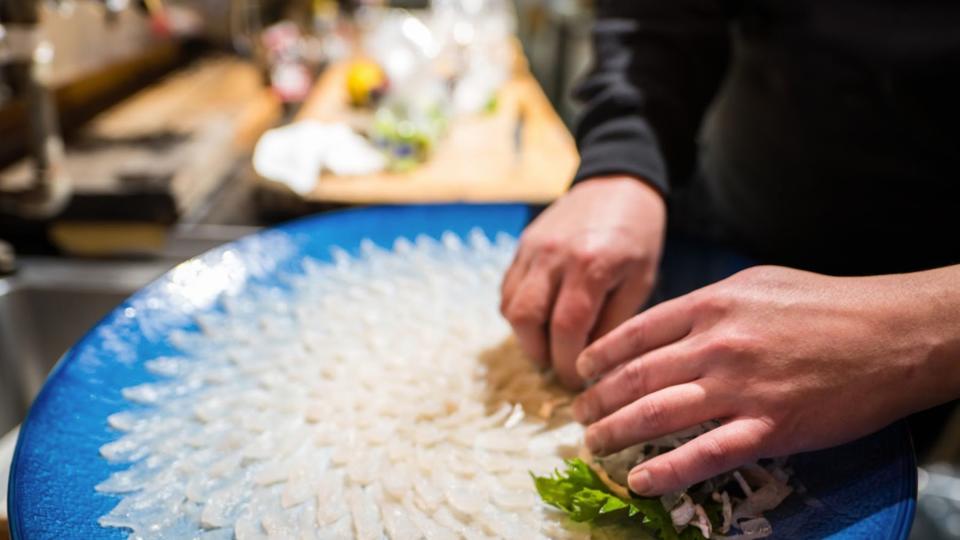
866	489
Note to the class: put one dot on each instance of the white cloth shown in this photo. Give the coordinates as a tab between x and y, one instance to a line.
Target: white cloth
297	154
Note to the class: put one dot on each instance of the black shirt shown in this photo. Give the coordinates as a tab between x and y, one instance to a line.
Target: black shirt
821	133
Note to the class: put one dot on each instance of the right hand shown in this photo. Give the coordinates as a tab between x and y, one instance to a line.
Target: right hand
584	266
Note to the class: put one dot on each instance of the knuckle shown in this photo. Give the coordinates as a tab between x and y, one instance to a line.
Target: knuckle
670	473
763	431
519	313
714	454
573	318
600	273
635	332
641	259
730	344
565	324
724	388
635	378
511	313
716	301
747	274
597	263
758	275
586	255
653	414
550	245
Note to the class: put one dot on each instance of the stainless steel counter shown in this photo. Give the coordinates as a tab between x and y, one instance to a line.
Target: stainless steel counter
7	443
51	302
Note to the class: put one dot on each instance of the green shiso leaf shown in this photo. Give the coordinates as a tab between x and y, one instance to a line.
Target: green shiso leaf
584	498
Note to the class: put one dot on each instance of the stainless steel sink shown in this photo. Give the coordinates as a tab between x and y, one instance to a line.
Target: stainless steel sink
50	303
44	309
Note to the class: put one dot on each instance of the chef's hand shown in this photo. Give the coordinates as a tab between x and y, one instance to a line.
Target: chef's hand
583	266
788	361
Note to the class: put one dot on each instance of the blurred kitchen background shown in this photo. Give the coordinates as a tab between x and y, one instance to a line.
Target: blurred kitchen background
135	134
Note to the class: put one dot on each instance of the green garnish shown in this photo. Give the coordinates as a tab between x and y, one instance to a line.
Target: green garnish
580	494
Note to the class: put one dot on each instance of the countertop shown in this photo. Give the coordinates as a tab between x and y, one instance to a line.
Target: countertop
521	151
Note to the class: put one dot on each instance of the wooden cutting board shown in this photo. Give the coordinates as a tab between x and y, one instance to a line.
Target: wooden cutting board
157	157
478	160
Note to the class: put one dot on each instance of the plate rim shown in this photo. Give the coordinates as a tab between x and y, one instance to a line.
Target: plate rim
906	505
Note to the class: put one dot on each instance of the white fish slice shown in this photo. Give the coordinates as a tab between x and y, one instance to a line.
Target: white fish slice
430	529
398	525
331	499
365	513
320	406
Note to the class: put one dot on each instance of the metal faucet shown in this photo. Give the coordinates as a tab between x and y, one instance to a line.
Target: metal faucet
31	59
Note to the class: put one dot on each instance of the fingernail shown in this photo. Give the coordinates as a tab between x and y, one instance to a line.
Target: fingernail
585	367
640	482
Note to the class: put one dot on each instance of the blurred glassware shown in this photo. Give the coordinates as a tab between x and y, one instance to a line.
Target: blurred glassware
441	63
477	36
328	29
402	44
290	78
407	131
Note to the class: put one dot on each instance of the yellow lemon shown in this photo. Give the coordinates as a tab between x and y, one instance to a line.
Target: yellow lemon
364	80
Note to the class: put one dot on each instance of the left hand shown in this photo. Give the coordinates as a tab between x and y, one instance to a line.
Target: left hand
788	361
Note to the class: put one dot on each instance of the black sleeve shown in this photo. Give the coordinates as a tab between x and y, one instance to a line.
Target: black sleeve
657	64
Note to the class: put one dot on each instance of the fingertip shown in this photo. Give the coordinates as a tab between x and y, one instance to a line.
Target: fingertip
582	410
594	442
586	365
533	346
641	482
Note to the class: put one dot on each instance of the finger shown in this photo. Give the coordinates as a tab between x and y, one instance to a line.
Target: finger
529	310
658	326
650	417
671	365
512	278
623	303
578	305
715	452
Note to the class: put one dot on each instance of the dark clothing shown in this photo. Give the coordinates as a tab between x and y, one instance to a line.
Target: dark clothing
832	140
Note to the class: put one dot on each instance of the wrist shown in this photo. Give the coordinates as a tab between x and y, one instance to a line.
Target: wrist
927	307
620	179
938	293
635	188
